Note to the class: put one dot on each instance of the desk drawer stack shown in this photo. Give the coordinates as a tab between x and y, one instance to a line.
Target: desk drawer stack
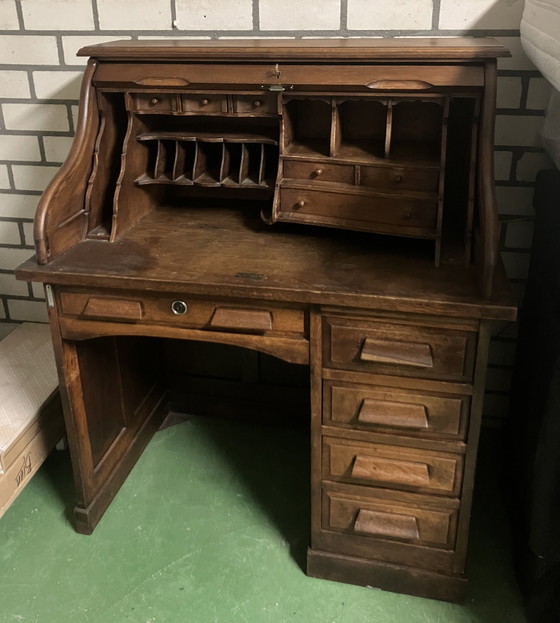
397	411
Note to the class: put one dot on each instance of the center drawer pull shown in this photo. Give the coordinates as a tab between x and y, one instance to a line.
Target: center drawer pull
241	319
401	353
113	308
391	470
377	523
400	85
388	413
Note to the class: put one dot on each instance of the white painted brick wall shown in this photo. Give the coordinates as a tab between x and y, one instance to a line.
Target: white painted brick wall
538	94
64	85
4	177
28	50
9	233
27	311
14	84
8	15
214	14
57	14
393	15
56	148
31	177
297	15
530	164
9	285
134	15
18	206
502	165
509	92
518	130
513	200
44	117
19	147
480	14
519	235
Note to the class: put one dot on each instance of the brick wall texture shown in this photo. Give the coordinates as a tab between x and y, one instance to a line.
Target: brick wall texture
40	78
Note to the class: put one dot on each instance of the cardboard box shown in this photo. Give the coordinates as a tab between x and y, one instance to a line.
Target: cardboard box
30	412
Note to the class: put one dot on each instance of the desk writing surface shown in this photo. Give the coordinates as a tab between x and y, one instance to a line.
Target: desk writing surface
231	252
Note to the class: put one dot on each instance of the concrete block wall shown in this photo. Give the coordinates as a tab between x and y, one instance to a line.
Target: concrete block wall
40	79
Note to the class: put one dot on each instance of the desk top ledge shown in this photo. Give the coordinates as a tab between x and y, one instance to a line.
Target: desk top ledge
412	49
220	252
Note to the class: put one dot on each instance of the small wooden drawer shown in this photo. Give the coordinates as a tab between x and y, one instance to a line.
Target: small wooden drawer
393	520
154	102
388	347
392	466
203	104
375	212
185	311
255	105
387	409
319	171
400	178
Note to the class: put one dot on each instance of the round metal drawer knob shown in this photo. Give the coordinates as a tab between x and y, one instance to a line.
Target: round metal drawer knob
179	308
154	101
204	102
300	204
319	171
257	103
398	178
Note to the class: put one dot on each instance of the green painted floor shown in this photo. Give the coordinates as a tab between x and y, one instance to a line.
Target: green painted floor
194	536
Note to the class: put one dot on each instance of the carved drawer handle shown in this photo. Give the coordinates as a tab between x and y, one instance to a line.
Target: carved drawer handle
113	308
389	413
378	523
242	319
400	85
401	353
391	470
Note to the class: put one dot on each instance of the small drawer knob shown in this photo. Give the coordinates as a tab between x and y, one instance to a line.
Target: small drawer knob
300	204
318	171
257	103
179	308
398	179
154	101
204	101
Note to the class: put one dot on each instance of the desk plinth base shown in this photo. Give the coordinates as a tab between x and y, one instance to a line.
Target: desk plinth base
386	576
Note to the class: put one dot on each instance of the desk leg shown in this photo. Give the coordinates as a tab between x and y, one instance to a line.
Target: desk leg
113	403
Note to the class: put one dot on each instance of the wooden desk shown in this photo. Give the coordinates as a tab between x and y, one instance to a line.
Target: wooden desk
154	231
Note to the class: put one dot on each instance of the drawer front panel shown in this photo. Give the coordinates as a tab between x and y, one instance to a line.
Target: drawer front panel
258	104
391	520
154	102
202	104
386	409
373	78
392	466
400	178
376	213
319	171
400	349
196	313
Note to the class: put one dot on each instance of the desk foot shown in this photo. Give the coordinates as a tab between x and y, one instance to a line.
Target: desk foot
387	576
85	519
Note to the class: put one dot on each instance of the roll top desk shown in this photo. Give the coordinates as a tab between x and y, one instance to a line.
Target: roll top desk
330	203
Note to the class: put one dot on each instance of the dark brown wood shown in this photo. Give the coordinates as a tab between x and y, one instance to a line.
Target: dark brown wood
167	287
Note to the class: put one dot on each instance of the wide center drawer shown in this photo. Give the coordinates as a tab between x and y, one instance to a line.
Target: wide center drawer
397	467
185	311
388	347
